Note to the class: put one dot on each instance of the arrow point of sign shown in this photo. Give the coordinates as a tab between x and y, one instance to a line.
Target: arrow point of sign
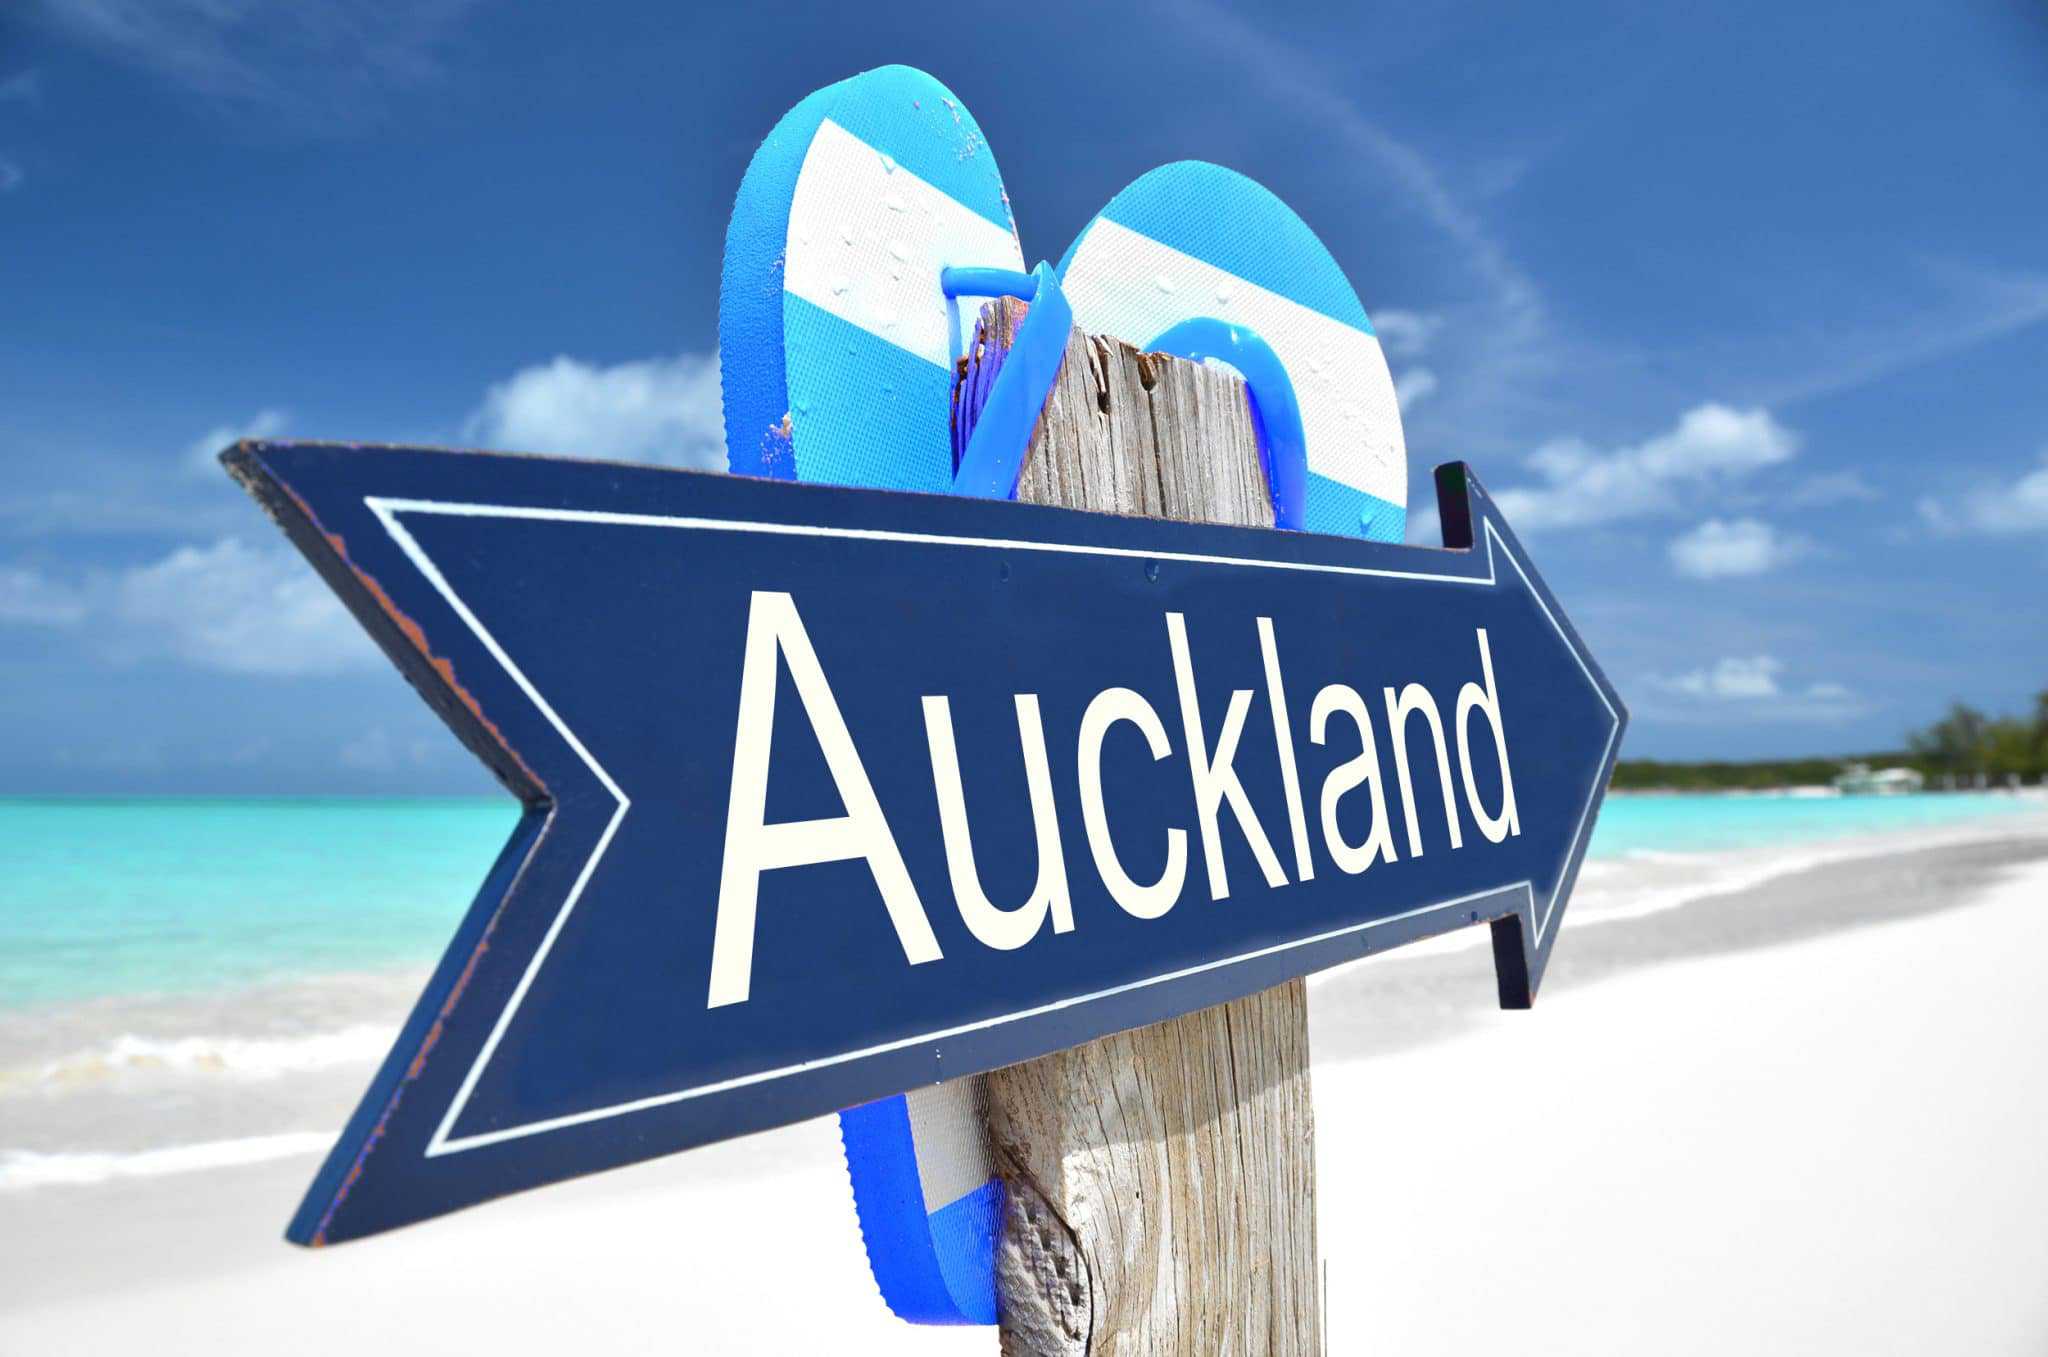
448	559
1522	940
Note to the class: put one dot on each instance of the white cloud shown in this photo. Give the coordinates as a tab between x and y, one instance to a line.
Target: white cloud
1405	334
322	64
11	175
1425	526
1719	548
202	454
1414	384
2001	510
29	596
1733	679
1752	688
1712	444
242	610
1408	334
24	87
654	410
226	606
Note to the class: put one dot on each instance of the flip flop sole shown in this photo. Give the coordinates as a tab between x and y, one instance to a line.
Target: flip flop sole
1192	240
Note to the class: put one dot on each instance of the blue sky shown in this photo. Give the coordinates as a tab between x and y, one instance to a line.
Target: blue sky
1743	313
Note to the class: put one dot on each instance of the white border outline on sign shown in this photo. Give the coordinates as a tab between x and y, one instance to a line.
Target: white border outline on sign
387	511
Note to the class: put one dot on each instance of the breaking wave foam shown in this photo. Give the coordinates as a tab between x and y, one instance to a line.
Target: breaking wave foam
24	1169
232	1057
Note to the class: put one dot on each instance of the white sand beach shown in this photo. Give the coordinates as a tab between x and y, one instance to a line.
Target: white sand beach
1805	1116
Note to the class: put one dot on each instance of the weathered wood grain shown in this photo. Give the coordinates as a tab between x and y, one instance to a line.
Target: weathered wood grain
1161	1182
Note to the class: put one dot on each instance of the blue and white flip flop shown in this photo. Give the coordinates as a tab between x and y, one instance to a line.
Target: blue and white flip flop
838	341
1191	241
837	347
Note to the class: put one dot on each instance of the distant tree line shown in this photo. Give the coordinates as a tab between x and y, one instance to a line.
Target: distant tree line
1719	776
1966	742
1961	745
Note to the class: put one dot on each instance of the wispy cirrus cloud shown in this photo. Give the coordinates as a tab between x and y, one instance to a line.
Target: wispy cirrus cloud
1935	309
1505	332
22	87
318	65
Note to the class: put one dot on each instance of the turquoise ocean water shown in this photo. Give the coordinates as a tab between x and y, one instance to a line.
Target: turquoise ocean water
170	896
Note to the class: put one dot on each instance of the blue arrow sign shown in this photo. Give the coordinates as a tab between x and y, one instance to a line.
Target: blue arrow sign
834	792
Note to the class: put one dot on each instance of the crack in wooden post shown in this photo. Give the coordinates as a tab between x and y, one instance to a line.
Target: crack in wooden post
1161	1182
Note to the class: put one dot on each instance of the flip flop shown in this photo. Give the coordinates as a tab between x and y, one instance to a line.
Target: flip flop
838	342
1192	241
837	346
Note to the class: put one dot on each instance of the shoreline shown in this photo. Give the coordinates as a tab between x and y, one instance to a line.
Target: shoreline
84	949
611	1261
120	1088
1384	1006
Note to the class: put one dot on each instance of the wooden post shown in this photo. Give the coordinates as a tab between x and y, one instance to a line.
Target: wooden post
1161	1182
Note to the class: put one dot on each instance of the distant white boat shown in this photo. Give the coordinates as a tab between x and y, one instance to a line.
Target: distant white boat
1858	779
